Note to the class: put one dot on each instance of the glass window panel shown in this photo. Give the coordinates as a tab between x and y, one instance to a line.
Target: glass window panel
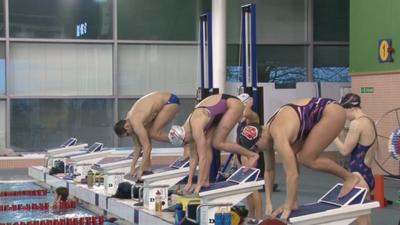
186	107
2	124
60	69
160	20
72	19
331	20
146	68
2	33
2	69
37	124
276	20
283	65
331	64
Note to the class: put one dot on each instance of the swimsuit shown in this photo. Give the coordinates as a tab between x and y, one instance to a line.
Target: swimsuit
173	100
357	164
309	114
217	111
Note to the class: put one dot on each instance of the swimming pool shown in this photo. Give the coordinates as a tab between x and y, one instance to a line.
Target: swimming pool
34	215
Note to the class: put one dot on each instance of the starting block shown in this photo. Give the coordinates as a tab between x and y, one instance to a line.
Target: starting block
238	186
64	156
79	164
114	164
160	180
332	210
114	170
67	147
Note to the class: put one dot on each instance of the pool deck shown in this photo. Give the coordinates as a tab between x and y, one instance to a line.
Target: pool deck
96	196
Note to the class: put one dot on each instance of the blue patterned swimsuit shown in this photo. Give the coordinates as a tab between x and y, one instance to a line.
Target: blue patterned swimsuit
357	164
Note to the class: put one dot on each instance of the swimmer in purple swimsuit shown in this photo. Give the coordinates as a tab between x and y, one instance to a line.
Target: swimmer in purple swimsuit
299	131
208	127
360	143
146	120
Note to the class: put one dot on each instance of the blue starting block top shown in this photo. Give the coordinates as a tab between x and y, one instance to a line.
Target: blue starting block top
71	141
95	147
331	200
180	163
312	208
355	196
242	175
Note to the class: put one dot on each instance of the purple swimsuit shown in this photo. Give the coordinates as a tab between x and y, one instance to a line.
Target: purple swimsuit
217	110
309	114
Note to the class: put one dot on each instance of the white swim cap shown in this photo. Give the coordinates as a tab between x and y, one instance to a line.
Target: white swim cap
244	97
176	135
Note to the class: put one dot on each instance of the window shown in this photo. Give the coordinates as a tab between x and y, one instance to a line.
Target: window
69	19
282	65
2	124
331	64
2	69
146	68
37	124
2	33
60	69
276	20
160	20
331	20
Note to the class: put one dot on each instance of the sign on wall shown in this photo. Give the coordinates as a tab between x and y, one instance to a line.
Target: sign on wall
367	90
385	51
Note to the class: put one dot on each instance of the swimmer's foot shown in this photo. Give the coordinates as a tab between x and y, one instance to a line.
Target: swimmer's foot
348	184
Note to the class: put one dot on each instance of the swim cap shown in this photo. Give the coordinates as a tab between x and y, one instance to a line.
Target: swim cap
244	97
249	135
176	135
350	100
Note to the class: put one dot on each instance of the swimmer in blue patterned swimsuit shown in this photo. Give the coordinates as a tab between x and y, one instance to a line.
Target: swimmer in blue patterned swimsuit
360	143
146	120
298	132
207	127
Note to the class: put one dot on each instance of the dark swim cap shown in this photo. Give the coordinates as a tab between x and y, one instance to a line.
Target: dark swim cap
248	135
350	100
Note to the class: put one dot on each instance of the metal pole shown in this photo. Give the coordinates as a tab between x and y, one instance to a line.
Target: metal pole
219	42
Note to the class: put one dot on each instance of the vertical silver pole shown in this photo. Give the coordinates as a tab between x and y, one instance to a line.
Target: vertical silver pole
248	47
219	42
205	53
115	68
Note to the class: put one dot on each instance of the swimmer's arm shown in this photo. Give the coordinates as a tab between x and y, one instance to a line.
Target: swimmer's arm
269	177
194	160
289	161
351	140
136	151
144	140
249	115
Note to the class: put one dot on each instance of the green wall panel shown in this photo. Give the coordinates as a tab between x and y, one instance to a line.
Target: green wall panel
370	21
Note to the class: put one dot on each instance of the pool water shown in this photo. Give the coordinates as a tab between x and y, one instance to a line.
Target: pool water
19	186
24	216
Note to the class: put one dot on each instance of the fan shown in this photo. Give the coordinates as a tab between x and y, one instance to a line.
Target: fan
388	153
